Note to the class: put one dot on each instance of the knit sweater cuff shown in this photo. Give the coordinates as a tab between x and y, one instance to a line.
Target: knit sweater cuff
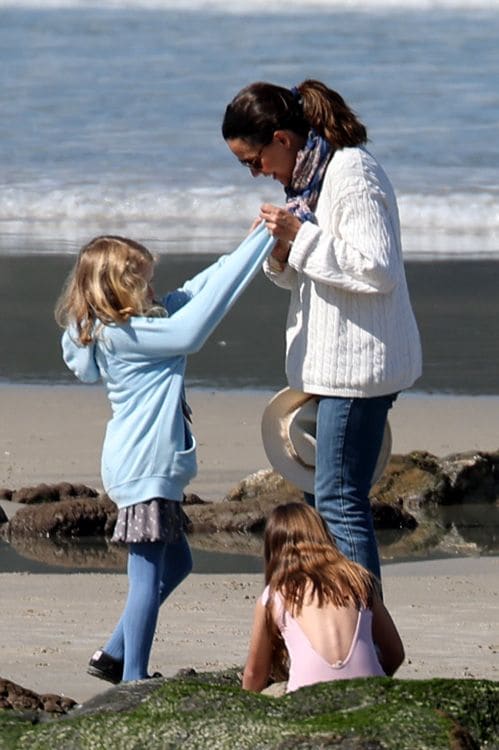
303	244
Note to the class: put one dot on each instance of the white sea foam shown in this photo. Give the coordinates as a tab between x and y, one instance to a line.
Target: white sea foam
95	137
464	224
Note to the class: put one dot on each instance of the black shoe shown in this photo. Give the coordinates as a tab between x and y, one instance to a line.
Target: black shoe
104	667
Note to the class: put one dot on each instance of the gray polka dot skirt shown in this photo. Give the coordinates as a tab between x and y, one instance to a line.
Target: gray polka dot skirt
155	520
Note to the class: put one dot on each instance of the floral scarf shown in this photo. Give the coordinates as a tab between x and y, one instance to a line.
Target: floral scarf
306	181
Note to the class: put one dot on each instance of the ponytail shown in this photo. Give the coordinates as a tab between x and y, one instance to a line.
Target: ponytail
329	114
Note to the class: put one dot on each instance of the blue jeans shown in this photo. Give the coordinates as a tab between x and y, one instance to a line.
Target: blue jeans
154	570
349	435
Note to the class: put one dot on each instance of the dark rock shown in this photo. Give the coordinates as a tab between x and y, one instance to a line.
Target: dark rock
411	487
265	483
387	516
246	507
41	493
3	516
56	704
47	493
5	494
18	698
245	516
119	698
410	481
471	476
420	479
192	499
75	517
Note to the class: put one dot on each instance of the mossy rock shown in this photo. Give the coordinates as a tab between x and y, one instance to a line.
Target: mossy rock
210	712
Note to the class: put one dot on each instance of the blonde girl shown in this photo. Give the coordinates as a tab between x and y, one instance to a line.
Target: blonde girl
320	616
115	331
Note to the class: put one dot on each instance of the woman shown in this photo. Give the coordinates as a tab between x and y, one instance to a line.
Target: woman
320	614
352	339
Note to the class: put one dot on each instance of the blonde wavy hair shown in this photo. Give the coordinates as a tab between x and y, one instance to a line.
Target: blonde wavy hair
303	564
106	285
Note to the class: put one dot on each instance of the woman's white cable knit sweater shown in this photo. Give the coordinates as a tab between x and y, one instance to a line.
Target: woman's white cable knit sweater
350	330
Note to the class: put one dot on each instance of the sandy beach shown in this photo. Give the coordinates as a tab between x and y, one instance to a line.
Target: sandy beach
447	611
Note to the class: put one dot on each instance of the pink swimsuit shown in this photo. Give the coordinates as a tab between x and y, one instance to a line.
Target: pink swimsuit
308	667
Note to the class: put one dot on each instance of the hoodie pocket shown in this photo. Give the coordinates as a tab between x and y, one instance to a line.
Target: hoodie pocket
184	464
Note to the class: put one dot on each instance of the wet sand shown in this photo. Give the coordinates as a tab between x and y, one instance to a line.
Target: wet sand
447	613
54	433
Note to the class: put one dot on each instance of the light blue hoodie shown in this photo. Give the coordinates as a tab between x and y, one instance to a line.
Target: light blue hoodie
149	450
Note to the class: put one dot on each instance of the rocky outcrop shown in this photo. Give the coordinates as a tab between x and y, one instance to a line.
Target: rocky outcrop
18	698
418	492
418	480
70	517
248	504
210	710
47	493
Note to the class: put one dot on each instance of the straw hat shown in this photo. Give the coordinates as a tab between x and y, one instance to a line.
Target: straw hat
288	434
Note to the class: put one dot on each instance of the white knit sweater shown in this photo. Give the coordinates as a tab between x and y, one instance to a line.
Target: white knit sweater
350	330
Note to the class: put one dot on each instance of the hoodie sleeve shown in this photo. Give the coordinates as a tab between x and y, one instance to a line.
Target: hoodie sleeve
173	301
211	295
80	359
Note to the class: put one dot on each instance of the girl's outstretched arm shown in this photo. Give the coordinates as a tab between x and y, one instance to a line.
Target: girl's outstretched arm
210	296
387	639
258	664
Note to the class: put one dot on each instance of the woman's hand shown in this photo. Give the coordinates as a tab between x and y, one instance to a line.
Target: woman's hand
284	227
281	224
255	224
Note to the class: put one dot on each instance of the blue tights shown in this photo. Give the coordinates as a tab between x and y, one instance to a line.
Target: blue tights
155	569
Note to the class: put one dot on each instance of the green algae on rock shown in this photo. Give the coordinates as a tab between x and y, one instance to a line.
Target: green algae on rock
211	711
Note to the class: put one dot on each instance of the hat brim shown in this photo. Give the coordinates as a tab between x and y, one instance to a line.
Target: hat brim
289	408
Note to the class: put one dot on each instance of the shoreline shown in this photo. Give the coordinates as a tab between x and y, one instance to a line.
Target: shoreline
453	301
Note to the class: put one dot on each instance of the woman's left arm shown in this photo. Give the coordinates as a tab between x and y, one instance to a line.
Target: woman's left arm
360	250
258	664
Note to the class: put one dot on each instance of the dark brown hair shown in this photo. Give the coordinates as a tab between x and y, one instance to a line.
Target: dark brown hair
260	109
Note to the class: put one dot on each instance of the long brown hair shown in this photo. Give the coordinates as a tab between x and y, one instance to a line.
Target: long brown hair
106	285
261	108
303	564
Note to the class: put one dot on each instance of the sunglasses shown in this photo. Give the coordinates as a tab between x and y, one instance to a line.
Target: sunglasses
255	162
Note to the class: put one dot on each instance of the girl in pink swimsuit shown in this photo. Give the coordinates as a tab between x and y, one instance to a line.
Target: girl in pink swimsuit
320	614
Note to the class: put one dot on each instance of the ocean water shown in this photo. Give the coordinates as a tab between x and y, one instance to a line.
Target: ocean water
111	115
